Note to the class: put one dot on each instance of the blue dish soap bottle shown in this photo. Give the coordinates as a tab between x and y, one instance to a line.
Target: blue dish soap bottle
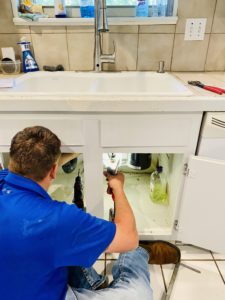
87	9
142	8
28	61
60	9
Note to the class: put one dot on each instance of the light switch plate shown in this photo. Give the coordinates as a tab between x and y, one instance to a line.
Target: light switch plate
195	29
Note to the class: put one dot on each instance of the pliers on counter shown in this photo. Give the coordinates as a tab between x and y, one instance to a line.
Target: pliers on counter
213	89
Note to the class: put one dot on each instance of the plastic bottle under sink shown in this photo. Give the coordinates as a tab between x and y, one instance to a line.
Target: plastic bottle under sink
158	186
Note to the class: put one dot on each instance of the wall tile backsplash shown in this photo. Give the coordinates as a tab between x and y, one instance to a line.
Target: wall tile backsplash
137	47
80	50
126	51
219	17
195	9
154	48
189	55
50	49
216	54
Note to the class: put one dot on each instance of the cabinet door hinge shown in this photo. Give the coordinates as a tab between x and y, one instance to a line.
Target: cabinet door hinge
186	170
176	225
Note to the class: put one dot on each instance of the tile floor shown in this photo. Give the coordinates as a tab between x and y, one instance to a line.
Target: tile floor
189	285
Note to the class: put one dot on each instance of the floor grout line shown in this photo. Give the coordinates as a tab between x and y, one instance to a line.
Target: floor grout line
219	259
197	259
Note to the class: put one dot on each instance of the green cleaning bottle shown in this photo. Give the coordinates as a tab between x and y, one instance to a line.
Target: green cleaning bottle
158	186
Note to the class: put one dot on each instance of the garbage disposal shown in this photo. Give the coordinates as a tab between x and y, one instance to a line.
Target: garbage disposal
140	161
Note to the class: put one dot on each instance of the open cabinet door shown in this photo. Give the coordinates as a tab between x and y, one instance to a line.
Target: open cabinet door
202	217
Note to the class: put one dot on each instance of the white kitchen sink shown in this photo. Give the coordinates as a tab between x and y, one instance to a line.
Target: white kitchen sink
91	83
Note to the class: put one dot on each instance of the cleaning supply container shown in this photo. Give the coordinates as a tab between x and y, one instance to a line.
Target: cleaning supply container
60	9
158	186
142	8
28	61
87	9
153	8
10	67
162	8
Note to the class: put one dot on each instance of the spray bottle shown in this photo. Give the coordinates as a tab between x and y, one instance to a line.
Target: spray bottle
142	8
28	61
158	186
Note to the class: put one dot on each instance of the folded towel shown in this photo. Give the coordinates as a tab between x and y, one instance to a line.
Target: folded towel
33	17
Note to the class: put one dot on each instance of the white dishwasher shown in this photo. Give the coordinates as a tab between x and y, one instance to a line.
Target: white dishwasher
212	136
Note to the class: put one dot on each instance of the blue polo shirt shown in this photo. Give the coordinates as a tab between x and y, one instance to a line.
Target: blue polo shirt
39	237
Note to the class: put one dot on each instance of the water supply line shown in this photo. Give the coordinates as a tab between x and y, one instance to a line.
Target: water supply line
101	26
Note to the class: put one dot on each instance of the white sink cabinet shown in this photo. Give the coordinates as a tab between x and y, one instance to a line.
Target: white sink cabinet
196	205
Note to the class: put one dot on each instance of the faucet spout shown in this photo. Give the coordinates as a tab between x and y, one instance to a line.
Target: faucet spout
102	22
101	26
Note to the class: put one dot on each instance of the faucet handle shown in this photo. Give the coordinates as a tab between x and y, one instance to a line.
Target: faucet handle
113	54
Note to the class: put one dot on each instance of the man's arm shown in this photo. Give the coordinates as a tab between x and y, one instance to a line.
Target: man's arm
126	237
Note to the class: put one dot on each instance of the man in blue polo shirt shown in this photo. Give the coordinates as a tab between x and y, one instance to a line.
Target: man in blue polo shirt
40	238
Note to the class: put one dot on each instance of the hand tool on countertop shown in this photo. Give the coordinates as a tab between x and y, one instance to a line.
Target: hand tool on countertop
213	89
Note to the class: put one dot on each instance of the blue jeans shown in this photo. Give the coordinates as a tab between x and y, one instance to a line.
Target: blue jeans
131	280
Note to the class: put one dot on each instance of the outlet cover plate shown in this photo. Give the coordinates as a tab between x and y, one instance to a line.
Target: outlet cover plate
195	29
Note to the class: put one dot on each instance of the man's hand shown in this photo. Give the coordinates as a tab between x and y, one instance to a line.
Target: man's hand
115	182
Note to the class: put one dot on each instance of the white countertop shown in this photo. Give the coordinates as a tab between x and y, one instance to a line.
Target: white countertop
201	100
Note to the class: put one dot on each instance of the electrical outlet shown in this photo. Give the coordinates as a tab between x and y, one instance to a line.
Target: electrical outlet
195	29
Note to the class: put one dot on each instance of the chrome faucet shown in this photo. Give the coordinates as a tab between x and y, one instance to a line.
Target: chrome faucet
101	25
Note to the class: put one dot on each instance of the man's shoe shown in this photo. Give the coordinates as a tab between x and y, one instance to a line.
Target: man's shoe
161	252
